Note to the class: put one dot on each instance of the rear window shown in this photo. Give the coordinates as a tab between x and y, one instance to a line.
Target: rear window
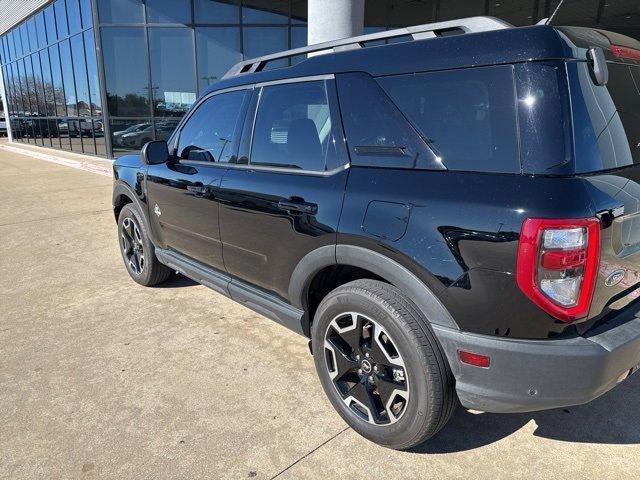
467	116
624	88
606	118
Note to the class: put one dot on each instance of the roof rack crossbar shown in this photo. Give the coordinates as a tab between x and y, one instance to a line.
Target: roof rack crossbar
418	32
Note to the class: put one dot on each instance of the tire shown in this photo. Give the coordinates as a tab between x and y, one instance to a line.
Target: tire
137	250
404	358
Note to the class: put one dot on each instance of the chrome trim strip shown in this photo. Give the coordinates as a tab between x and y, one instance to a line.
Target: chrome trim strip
289	171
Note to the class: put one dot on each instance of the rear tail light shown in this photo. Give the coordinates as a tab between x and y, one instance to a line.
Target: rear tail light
557	264
625	52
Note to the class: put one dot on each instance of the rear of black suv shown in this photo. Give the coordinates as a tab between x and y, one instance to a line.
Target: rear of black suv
537	259
581	266
450	217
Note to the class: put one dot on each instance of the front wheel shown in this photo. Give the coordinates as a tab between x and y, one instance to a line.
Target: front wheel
381	365
137	250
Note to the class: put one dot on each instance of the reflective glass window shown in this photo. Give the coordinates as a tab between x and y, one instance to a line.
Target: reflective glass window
120	11
56	80
164	127
98	135
67	78
61	18
80	76
126	76
29	85
517	12
172	70
218	48
47	84
31	33
265	11
208	133
17	88
92	71
293	127
11	44
85	11
169	11
41	32
130	134
216	11
24	39
260	41
50	23
73	14
38	84
5	52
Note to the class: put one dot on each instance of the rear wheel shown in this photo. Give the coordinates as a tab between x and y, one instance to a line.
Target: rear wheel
137	250
380	364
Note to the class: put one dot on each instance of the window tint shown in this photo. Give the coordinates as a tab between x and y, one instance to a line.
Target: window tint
624	87
467	116
377	133
293	128
208	133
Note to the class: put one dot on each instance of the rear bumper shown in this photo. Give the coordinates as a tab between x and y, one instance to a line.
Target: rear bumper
530	375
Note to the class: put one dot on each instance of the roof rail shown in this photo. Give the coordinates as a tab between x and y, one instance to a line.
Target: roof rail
418	32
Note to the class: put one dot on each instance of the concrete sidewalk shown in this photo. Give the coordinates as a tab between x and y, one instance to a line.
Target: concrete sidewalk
102	378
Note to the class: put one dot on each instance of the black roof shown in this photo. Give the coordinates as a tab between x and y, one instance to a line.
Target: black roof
510	45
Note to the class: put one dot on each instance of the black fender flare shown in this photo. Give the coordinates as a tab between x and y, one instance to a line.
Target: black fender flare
374	262
123	188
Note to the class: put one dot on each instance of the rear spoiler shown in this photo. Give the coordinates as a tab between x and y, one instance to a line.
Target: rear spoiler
616	47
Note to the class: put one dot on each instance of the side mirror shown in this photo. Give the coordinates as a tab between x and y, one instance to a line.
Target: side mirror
155	153
598	66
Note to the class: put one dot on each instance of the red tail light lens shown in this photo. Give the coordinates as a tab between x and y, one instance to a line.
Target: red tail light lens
558	263
625	52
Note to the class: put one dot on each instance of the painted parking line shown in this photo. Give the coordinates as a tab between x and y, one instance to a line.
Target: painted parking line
67	162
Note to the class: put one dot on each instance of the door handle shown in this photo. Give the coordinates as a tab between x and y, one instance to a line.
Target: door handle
300	207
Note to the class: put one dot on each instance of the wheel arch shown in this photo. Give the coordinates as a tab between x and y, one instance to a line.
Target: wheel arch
371	265
123	195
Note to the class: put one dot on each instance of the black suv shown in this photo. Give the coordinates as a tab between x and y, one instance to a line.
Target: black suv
450	212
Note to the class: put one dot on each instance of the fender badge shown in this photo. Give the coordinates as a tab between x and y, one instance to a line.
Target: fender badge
156	210
614	278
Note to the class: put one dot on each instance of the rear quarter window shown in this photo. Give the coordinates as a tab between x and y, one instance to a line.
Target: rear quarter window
467	116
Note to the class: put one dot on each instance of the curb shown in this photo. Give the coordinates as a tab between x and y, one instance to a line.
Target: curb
67	162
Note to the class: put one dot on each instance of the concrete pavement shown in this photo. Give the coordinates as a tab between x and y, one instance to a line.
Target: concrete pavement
103	378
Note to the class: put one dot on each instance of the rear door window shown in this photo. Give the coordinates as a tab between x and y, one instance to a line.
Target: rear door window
294	128
467	116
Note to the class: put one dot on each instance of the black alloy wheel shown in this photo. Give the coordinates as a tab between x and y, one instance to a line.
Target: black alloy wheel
132	245
366	368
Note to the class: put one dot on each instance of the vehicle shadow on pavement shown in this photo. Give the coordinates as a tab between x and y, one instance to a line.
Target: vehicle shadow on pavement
612	418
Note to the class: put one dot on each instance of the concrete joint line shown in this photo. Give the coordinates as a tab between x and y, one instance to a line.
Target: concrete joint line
309	453
67	162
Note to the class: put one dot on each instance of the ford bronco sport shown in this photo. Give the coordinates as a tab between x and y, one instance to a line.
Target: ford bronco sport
450	212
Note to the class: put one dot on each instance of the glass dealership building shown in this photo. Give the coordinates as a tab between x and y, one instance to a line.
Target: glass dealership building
104	76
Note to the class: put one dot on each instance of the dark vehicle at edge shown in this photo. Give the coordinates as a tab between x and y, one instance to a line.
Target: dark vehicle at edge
454	217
